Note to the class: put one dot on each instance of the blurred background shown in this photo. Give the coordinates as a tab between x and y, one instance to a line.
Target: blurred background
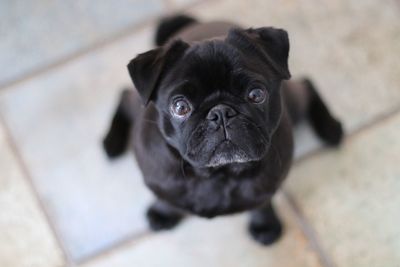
62	203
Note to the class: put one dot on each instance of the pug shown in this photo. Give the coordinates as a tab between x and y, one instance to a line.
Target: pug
210	121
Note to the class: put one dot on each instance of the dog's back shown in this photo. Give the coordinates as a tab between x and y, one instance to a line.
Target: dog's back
190	30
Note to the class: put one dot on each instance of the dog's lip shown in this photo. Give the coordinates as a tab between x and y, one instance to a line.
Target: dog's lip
243	159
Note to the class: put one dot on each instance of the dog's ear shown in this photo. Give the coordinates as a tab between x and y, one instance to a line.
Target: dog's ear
147	69
270	44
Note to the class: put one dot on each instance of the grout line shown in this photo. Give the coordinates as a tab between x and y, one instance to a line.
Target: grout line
125	243
28	178
377	120
75	55
119	245
309	231
125	33
305	225
102	43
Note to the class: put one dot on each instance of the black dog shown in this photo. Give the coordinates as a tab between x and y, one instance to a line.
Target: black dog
211	125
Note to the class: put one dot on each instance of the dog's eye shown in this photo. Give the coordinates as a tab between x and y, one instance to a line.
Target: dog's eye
181	108
257	95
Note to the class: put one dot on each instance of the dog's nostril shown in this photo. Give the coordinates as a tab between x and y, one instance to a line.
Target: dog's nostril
220	112
230	112
213	116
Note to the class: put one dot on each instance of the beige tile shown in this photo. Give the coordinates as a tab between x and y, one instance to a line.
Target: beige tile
58	118
25	237
183	3
58	121
36	33
221	242
347	47
351	197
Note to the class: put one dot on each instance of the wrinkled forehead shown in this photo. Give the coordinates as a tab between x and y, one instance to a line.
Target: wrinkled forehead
213	57
212	66
209	63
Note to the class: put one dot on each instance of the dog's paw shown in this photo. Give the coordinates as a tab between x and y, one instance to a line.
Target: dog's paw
159	221
113	146
331	132
266	234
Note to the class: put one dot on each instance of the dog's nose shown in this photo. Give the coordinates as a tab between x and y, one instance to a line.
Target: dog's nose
221	113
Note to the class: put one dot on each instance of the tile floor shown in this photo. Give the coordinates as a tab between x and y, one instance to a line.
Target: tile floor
26	238
47	31
64	204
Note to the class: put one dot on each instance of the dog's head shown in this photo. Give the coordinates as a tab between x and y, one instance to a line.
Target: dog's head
218	100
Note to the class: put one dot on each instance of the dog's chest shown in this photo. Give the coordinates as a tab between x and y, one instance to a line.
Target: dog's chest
215	195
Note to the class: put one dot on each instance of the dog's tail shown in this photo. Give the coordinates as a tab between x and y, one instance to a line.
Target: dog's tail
168	26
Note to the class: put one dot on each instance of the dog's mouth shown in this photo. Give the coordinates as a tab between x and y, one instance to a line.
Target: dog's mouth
227	152
209	147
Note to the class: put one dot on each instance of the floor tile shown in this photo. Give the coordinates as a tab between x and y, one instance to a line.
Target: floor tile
183	3
58	125
347	54
306	141
58	119
58	122
221	242
351	197
25	236
36	33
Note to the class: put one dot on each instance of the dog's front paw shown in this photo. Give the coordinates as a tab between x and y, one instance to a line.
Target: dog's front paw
332	132
161	220
266	234
113	146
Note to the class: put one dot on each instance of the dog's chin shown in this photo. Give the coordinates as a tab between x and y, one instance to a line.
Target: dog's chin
242	145
223	159
228	153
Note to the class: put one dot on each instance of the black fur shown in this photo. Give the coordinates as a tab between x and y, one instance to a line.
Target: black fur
325	125
167	27
227	154
265	226
162	216
117	139
270	44
147	69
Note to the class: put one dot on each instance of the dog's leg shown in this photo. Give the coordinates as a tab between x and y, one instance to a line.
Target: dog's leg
163	216
117	139
265	226
325	125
